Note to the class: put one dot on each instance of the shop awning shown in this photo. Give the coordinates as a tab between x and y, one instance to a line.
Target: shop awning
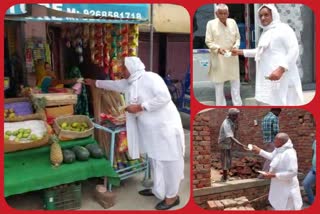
81	13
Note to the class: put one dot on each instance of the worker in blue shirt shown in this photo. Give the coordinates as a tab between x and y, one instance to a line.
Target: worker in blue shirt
310	180
270	128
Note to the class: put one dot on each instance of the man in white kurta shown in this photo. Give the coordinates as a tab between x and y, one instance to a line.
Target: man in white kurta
277	76
284	193
153	126
222	35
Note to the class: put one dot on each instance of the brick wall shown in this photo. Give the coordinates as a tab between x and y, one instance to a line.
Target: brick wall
201	150
298	123
257	192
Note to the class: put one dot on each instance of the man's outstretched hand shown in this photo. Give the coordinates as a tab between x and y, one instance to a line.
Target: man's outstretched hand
269	175
256	149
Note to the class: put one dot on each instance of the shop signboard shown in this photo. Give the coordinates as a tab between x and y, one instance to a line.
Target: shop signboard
17	9
115	13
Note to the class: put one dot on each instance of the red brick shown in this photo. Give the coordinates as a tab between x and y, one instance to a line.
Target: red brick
206	138
212	205
219	205
204	143
197	119
204	133
205	118
197	128
198	138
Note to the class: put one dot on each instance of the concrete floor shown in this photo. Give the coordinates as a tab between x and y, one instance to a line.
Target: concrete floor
204	92
127	197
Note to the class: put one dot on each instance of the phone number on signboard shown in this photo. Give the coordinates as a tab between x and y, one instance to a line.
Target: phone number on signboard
113	14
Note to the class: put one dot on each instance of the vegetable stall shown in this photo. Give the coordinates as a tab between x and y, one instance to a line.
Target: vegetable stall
52	135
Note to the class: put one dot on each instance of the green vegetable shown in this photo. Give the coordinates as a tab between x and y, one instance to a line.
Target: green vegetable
95	150
82	154
68	156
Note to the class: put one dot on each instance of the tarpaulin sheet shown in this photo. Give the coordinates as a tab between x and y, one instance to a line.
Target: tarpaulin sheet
31	169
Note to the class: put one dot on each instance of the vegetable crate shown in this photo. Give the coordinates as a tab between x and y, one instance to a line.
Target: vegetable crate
67	134
52	112
63	197
23	110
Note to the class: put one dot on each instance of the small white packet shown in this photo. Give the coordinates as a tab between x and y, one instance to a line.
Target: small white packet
227	54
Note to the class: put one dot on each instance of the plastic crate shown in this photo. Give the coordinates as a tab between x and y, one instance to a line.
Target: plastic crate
63	197
23	110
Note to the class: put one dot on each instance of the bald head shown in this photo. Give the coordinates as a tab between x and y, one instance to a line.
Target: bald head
280	139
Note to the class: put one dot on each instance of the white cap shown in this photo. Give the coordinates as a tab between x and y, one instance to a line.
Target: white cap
232	111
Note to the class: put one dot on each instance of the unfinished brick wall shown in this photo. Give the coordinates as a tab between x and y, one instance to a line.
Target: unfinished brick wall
298	123
250	193
201	151
241	203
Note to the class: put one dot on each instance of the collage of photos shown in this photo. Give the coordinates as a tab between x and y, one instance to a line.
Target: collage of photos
129	107
260	158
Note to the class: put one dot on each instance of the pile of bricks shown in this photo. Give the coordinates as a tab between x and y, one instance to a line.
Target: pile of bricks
241	203
244	167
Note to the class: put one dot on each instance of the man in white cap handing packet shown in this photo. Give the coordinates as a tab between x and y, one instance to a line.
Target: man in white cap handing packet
153	127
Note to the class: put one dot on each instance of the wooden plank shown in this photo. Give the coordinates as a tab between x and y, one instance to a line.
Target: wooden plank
56	99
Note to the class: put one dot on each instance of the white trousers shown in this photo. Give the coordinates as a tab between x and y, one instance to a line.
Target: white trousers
167	176
290	204
293	98
235	93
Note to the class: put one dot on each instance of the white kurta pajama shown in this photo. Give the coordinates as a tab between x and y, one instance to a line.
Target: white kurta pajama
277	46
156	131
222	68
284	191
